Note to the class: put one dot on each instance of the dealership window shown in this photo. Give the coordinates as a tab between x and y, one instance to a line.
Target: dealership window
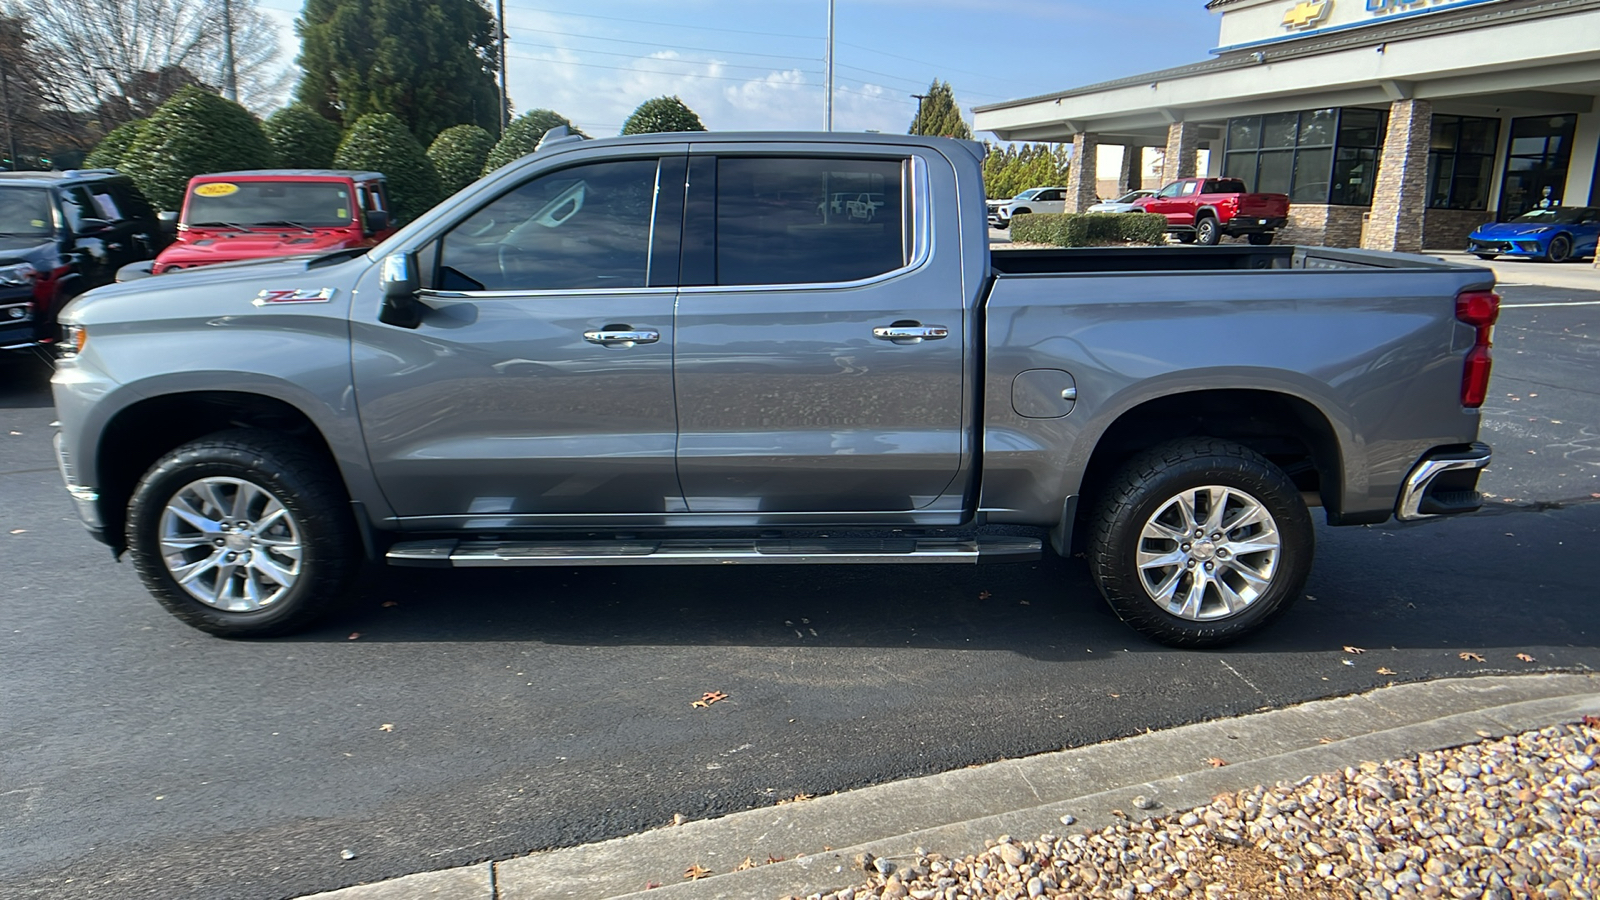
1461	161
1314	156
1536	165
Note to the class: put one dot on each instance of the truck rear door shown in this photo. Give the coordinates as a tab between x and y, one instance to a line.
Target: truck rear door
819	353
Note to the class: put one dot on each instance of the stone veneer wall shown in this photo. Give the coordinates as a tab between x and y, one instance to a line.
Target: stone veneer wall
1447	229
1399	195
1320	225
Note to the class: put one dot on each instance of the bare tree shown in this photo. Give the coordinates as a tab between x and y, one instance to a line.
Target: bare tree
121	59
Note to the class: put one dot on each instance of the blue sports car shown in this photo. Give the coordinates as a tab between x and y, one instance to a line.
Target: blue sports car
1553	235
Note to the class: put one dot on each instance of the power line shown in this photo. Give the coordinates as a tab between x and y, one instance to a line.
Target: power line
562	12
938	65
522	43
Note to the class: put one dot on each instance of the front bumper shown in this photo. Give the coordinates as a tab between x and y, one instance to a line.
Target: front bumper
17	326
1514	247
1444	482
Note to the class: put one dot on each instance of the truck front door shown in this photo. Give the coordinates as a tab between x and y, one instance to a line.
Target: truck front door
820	353
538	384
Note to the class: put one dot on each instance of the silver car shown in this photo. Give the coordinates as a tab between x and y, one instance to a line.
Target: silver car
1121	204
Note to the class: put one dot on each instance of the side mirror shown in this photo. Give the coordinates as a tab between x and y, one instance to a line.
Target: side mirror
400	282
377	220
168	219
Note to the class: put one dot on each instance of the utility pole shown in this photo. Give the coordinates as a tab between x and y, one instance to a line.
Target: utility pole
505	96
230	76
916	124
827	99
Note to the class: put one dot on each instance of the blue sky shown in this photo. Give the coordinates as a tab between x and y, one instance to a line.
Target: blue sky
757	64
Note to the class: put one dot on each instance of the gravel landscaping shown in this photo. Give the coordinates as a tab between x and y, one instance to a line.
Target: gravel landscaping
1509	818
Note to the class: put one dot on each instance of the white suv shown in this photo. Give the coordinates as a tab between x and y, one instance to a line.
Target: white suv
1032	200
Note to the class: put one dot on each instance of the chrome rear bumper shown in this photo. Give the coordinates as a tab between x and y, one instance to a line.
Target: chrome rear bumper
1444	483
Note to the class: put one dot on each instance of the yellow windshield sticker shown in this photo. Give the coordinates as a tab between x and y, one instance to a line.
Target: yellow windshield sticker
36	223
216	189
342	213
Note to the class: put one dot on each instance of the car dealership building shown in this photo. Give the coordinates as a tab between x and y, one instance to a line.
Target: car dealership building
1391	124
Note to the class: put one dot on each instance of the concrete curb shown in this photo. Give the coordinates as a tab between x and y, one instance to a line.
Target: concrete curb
954	812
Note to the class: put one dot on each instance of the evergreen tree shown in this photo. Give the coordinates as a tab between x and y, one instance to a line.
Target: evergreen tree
303	139
938	114
432	63
193	133
522	136
661	115
113	147
379	142
458	155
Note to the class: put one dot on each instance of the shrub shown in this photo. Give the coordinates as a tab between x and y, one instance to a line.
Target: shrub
1089	229
113	147
302	139
663	114
458	155
522	136
194	133
380	142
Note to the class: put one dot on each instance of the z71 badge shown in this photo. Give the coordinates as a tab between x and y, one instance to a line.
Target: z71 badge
302	295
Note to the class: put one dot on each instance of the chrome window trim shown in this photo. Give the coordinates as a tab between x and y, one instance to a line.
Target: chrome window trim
921	237
557	292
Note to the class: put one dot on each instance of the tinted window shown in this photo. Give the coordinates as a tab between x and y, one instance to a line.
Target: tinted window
26	211
76	204
794	221
308	203
107	205
583	227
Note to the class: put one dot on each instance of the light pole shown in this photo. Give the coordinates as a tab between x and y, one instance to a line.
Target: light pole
230	76
917	122
505	99
5	103
827	98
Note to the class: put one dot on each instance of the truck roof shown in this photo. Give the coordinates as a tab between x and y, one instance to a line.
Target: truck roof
58	177
774	137
295	173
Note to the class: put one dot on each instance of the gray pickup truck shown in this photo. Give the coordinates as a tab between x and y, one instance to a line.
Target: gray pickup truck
672	349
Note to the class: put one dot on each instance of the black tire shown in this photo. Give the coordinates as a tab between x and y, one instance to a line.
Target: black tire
1560	249
307	487
1261	239
1206	231
1486	255
1148	485
1184	237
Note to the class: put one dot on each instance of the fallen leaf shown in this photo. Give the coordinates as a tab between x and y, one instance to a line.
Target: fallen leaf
1592	721
746	865
1355	650
771	858
1469	656
651	885
797	798
1525	657
696	872
708	698
984	595
353	635
1348	662
678	819
1385	670
389	603
1324	740
1216	762
386	727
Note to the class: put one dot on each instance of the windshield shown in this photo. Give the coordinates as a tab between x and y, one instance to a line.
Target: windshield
1131	196
26	211
1027	194
1561	215
312	204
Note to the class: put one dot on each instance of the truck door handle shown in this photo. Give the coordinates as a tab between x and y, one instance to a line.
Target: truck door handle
621	336
910	332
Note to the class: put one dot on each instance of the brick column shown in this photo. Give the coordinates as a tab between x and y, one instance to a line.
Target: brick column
1081	192
1183	151
1131	176
1400	194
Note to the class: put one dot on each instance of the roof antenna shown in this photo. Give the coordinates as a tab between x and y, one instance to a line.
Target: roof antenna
557	135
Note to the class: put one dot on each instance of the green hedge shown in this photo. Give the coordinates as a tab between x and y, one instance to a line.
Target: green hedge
303	139
1089	229
380	142
194	133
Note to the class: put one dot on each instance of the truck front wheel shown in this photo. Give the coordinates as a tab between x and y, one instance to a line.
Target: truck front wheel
1199	542
243	533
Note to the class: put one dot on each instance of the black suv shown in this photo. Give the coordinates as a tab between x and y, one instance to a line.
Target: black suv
62	233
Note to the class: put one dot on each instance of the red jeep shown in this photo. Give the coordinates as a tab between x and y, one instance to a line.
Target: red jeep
230	216
1202	210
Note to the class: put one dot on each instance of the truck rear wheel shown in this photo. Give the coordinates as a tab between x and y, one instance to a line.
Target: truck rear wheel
243	533
1206	231
1199	542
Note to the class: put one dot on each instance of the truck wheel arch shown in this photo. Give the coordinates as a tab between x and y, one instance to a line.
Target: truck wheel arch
1293	432
142	432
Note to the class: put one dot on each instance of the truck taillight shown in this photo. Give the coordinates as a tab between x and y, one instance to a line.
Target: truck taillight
1479	309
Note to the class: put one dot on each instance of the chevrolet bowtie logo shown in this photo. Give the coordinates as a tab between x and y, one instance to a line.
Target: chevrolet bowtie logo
1306	13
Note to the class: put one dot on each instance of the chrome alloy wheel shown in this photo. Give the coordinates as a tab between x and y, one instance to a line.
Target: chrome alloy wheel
1208	553
230	544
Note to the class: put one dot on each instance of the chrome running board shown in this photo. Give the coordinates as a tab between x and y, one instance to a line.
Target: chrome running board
448	553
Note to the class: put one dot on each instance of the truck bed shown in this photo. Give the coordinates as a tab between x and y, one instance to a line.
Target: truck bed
1107	260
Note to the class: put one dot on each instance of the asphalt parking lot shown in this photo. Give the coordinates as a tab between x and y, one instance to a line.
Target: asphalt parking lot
534	709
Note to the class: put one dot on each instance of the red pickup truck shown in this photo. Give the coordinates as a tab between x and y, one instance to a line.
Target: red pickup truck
1202	210
230	216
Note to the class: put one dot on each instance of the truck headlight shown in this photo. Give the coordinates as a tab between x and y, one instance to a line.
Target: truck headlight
73	339
17	275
